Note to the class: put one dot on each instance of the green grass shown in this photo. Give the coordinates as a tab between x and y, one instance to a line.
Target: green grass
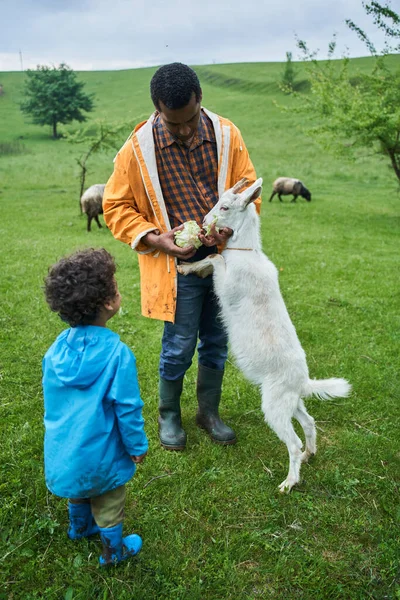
213	523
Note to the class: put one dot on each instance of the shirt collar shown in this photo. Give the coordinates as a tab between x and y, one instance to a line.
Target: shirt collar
167	139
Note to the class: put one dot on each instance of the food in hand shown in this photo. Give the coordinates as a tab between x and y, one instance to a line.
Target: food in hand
188	236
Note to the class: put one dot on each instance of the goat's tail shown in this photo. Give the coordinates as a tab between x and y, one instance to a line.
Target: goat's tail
325	389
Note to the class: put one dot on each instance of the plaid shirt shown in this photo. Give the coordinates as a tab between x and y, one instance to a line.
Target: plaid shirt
188	176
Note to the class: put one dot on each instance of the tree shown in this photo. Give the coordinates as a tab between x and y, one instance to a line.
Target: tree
382	14
362	111
98	137
53	95
288	74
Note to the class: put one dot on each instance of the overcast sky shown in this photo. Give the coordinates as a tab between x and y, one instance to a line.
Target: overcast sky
122	34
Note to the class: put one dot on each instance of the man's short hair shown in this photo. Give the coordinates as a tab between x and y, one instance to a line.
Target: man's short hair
174	85
78	286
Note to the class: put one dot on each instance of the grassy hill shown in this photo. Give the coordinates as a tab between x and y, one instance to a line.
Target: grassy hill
213	523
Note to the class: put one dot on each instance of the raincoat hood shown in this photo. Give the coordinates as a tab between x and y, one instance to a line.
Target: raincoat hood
80	354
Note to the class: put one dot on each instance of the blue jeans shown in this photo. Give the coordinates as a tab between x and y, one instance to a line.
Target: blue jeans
196	317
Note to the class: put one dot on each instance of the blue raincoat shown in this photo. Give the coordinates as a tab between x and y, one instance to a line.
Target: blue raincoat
93	413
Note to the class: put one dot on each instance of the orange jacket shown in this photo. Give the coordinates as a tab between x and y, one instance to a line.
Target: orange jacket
133	205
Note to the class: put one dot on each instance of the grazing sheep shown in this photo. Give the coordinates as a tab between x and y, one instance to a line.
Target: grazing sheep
92	203
283	186
262	337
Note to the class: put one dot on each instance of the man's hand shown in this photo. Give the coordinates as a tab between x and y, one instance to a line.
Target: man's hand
215	237
166	243
139	459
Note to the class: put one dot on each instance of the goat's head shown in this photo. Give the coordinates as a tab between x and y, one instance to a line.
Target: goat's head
229	210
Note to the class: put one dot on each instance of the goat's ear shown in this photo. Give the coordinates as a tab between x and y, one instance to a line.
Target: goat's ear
256	194
252	193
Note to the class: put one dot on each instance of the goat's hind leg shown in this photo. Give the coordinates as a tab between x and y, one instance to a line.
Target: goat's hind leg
308	425
293	443
278	411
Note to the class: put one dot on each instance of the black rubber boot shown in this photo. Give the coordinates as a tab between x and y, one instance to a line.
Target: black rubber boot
172	436
209	382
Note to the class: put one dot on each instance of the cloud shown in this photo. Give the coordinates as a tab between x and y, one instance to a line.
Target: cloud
98	34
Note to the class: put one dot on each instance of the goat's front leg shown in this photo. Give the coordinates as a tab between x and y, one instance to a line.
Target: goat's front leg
202	268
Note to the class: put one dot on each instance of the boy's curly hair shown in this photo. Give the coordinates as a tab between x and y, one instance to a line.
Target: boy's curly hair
78	286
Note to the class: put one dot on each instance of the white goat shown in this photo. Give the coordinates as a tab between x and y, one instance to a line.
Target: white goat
262	337
92	203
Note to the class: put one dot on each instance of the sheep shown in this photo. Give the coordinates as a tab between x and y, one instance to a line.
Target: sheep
92	203
262	337
283	186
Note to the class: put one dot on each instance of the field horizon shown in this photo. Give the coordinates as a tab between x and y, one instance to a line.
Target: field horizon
213	523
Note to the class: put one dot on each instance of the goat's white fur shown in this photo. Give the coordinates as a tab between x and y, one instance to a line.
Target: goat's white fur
262	337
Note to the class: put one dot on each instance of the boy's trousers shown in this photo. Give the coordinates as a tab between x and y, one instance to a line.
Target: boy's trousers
107	509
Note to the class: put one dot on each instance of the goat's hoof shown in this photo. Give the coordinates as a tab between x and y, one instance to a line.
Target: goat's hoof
306	456
183	268
286	486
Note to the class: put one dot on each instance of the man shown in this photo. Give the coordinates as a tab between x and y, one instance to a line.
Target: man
173	169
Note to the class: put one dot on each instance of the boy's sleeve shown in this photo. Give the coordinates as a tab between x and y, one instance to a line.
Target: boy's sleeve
127	403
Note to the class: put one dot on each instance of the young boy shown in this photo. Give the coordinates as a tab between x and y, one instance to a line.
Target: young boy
94	433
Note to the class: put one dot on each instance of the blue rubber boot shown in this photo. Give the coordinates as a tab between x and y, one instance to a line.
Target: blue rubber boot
115	547
81	522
